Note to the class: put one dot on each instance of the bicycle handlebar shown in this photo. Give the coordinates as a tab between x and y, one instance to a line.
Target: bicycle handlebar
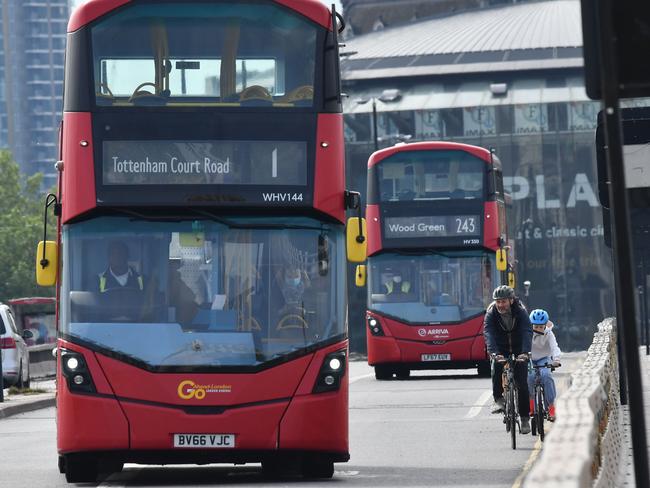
547	365
505	359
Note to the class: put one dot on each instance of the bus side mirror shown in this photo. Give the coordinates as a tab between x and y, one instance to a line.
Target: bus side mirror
511	279
47	263
356	240
502	259
360	275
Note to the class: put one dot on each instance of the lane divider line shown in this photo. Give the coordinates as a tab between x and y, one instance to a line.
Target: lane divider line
537	448
480	403
357	378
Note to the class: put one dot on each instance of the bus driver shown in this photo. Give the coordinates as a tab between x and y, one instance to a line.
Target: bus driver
118	274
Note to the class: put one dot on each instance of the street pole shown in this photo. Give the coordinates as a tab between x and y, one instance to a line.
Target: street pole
643	289
374	123
623	269
525	228
2	386
642	311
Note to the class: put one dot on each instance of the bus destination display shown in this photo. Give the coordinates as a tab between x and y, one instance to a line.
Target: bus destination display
204	163
432	226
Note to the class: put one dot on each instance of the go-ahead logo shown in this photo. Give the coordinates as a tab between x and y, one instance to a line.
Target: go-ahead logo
187	390
433	332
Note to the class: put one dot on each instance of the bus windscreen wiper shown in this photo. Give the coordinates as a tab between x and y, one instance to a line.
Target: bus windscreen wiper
135	215
419	252
232	225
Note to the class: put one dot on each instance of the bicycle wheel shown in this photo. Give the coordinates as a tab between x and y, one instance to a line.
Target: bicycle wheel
506	411
533	426
539	411
512	416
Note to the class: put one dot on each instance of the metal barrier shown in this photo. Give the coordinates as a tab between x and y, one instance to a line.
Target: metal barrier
42	363
584	446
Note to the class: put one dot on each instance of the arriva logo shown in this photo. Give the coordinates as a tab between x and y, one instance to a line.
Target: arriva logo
433	332
187	390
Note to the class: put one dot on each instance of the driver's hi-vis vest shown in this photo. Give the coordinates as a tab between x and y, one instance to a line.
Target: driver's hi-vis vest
406	286
108	282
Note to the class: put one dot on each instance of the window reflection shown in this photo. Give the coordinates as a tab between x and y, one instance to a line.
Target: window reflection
431	175
431	287
203	293
204	54
548	156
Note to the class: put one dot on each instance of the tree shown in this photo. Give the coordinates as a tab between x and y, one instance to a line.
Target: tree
21	227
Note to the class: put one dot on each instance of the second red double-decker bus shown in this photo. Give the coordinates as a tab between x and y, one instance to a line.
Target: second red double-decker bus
201	300
436	223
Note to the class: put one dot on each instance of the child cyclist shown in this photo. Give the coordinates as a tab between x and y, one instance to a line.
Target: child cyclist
544	351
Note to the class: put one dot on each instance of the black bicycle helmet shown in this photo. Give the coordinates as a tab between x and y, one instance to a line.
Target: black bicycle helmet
503	291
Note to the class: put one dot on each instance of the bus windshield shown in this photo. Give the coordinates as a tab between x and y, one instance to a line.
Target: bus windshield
431	175
431	287
194	54
212	292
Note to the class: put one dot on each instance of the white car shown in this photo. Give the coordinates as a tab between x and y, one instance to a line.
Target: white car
15	356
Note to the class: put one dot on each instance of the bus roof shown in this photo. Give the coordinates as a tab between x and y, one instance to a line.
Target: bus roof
382	154
93	9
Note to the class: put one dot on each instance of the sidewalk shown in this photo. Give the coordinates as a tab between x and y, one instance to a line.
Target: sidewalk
14	404
627	479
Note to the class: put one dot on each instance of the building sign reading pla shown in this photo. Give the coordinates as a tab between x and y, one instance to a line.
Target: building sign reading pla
432	226
204	163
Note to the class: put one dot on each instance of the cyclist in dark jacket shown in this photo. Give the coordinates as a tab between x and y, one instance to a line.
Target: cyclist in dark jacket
508	331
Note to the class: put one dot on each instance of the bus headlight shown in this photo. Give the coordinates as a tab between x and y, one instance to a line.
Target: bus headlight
331	372
72	363
335	364
75	370
374	326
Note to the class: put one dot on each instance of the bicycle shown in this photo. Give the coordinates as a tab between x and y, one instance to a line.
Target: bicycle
510	395
540	404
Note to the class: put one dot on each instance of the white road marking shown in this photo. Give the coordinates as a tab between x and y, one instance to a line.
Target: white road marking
360	377
109	484
537	449
480	403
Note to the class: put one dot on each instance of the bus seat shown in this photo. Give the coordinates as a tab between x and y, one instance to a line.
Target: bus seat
291	321
301	93
255	92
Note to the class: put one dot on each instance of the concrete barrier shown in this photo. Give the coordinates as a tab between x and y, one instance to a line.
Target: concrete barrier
42	363
583	447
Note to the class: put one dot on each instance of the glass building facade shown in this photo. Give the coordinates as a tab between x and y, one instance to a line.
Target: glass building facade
543	131
31	81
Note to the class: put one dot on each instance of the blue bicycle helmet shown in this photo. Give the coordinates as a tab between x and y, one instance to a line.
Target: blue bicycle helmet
538	317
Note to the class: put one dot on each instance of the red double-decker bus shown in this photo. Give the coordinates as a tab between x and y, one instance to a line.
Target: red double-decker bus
201	297
436	226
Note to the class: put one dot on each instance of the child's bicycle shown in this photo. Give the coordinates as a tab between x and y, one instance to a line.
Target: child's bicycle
539	402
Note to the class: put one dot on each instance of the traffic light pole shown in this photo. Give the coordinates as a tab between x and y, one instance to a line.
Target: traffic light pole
623	269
